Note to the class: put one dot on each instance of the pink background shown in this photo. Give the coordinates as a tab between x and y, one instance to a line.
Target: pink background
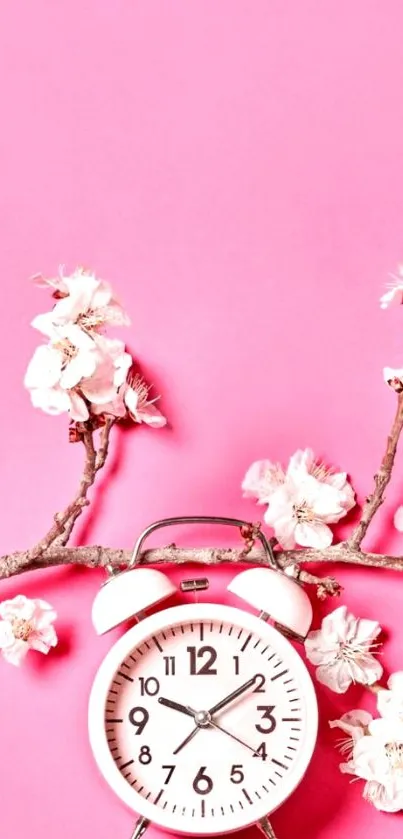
235	168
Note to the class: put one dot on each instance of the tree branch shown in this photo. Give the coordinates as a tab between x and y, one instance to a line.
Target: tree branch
381	479
96	556
94	461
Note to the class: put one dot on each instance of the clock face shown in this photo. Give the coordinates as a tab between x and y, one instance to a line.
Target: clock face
166	749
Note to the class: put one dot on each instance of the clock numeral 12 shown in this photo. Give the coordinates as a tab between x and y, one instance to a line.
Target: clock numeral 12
206	669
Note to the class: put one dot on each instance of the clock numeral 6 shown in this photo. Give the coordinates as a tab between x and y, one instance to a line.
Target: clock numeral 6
142	718
266	715
202	783
237	775
207	668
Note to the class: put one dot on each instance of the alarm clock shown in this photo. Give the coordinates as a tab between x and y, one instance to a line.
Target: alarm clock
203	717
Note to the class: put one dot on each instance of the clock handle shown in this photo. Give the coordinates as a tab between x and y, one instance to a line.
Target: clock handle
239	523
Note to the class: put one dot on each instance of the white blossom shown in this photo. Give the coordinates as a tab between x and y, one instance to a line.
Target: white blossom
390	699
25	624
378	759
355	725
398	519
262	479
302	501
342	650
394	295
299	511
85	300
139	406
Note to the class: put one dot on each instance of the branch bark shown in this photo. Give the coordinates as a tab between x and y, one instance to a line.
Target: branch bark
52	551
381	479
66	519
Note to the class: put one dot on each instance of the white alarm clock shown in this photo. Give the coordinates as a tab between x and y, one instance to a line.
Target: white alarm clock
203	717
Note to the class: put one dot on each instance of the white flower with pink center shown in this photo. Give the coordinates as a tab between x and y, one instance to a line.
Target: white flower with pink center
83	299
394	295
302	501
139	406
26	624
262	479
342	650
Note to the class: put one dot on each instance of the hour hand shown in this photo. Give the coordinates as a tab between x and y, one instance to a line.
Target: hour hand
176	706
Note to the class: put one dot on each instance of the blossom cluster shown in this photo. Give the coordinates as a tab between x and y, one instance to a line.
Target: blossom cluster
302	499
374	747
81	370
343	652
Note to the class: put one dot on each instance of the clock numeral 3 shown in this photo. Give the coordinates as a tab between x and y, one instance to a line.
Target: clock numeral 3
139	723
145	755
202	783
237	775
266	715
149	686
207	668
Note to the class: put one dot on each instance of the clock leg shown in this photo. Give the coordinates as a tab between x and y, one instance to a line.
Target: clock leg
266	828
140	828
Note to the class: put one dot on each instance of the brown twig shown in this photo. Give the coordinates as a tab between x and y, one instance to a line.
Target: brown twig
52	550
381	479
96	556
65	520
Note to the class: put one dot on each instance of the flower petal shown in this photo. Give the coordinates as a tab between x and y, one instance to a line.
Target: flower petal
16	652
313	535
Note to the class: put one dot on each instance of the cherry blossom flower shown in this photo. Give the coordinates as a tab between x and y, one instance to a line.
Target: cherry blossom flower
301	501
390	700
303	463
70	356
341	650
139	406
299	511
394	295
262	479
25	624
83	299
355	725
378	759
394	378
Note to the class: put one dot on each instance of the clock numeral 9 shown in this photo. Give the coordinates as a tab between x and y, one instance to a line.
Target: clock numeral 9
149	686
142	718
237	775
207	668
202	783
266	715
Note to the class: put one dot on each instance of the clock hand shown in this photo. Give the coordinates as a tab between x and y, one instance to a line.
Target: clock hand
234	737
233	695
176	706
187	740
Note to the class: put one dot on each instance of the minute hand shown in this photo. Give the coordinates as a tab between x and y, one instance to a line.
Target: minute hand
233	695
